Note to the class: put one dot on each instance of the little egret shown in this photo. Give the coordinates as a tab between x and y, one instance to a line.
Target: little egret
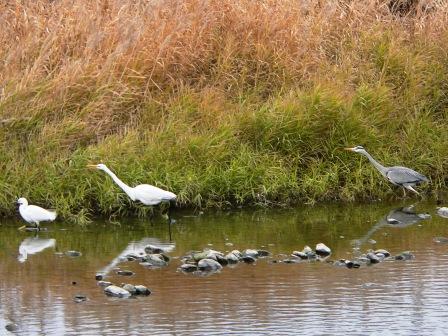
145	193
34	214
397	175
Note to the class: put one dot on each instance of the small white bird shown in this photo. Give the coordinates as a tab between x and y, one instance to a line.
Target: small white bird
145	193
33	214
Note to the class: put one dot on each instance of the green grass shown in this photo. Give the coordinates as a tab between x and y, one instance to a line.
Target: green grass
240	128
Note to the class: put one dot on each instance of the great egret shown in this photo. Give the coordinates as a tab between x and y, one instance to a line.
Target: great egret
145	193
34	214
397	175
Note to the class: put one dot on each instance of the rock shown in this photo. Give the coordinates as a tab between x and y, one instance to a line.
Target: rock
380	256
207	254
248	259
79	298
250	253
125	273
373	258
11	327
209	265
291	260
263	253
322	249
382	251
299	254
99	276
442	212
442	240
371	241
142	290
188	268
73	253
232	258
150	249
104	283
237	253
116	291
222	260
130	288
405	256
154	260
307	250
348	263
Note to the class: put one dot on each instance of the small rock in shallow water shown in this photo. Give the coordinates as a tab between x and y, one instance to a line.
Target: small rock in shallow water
405	256
384	252
232	258
104	283
125	272
442	212
442	240
307	249
248	259
209	265
373	258
300	255
263	253
73	253
11	327
371	241
154	260
291	260
142	290
130	288
250	253
322	249
116	291
188	268
99	276
79	298
150	249
222	260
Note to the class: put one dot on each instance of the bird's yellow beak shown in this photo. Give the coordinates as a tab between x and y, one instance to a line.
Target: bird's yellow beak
349	149
91	166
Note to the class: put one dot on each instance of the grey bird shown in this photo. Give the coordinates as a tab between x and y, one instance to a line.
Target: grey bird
397	175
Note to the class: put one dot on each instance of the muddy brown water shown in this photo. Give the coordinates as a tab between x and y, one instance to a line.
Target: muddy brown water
390	298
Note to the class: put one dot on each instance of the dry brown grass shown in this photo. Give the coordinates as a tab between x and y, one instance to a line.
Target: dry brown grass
104	58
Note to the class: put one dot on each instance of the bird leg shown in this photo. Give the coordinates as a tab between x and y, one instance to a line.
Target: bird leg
412	189
404	192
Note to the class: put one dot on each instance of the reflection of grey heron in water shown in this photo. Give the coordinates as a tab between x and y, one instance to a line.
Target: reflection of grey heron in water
398	218
32	246
136	248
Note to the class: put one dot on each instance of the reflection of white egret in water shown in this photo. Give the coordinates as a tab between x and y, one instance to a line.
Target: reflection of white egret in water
398	218
137	248
34	245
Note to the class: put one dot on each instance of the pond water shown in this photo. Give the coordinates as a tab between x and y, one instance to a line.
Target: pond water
309	298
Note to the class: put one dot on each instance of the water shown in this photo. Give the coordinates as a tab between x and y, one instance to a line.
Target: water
390	298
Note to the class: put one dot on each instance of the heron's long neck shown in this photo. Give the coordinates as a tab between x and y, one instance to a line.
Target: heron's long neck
127	189
379	166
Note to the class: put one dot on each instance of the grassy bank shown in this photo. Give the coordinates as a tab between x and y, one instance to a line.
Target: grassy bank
222	102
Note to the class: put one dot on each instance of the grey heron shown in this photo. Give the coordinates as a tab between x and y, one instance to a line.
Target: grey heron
397	175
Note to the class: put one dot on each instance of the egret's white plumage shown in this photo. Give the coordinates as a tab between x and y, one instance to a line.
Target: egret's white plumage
145	193
34	245
34	214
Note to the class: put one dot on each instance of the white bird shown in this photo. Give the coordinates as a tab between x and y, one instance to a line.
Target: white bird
145	193
33	246
33	214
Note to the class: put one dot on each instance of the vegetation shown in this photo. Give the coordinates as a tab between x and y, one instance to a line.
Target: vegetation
223	102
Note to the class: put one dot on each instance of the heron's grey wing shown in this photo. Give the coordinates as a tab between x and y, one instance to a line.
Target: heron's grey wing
403	175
